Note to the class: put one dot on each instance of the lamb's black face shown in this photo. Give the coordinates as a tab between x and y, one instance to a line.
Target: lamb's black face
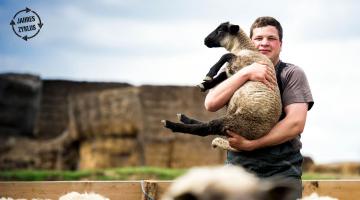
223	30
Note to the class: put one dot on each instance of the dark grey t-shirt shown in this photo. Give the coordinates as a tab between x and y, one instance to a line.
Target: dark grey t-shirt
295	86
284	159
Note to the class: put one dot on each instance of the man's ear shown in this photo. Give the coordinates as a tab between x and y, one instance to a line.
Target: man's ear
234	29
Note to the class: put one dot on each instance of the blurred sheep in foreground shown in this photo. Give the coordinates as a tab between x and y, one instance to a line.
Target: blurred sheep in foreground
225	183
230	183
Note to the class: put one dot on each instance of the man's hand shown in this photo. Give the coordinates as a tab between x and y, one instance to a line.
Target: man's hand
238	142
259	71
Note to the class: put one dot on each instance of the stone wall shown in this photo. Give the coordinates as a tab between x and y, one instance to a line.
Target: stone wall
84	125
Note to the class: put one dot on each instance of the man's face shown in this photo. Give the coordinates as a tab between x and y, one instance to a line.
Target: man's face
267	41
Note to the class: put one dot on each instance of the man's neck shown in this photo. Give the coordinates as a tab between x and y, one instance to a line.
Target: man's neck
276	61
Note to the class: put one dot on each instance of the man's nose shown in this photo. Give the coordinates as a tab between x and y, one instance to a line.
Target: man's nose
264	42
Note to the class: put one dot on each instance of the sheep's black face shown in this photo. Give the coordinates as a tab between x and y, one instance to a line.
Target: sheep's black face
221	32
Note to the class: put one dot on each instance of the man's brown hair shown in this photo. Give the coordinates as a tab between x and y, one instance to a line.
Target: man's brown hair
267	21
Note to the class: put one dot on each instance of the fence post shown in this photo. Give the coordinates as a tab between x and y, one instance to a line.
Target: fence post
149	190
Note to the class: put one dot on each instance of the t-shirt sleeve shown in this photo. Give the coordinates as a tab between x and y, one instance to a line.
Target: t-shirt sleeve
297	89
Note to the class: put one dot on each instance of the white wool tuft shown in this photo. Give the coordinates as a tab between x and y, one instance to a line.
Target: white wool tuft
315	196
84	196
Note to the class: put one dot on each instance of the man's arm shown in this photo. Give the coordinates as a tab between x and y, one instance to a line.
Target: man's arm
221	94
288	128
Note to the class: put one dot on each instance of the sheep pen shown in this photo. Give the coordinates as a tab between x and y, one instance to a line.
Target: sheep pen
253	109
144	189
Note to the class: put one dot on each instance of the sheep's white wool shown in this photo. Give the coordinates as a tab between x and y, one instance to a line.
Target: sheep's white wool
315	196
84	196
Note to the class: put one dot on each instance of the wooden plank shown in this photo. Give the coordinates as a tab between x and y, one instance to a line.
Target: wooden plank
131	190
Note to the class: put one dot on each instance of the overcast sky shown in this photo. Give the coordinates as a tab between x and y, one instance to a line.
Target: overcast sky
161	42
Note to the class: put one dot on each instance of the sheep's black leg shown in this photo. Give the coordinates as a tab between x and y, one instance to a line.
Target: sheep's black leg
214	127
212	83
187	120
214	69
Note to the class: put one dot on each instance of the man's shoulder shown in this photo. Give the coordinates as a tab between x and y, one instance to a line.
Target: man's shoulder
291	66
291	69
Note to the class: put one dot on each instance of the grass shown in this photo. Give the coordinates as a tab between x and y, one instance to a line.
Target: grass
328	176
126	173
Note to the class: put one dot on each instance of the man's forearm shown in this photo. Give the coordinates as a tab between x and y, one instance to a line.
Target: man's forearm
281	133
288	128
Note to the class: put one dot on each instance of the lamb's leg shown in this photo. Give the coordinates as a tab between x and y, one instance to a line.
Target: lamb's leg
187	120
214	127
212	83
214	69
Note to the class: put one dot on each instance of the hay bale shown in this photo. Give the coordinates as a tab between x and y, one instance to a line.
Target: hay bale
109	152
109	112
20	96
183	155
158	153
345	168
307	164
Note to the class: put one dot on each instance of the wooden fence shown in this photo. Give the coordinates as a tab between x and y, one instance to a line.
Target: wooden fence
134	190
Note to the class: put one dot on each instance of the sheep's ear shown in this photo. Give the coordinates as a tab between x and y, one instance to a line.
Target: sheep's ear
279	190
186	196
234	29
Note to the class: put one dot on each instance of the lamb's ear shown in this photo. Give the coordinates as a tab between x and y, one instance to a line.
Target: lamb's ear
186	196
278	190
234	29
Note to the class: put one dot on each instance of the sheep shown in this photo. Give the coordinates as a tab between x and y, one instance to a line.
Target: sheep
231	182
226	183
315	196
83	196
253	109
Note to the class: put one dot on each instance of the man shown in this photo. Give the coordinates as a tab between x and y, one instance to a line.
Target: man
277	154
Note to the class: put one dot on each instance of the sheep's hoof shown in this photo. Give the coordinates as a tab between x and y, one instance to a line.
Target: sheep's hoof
164	122
179	116
208	78
219	143
223	144
202	87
